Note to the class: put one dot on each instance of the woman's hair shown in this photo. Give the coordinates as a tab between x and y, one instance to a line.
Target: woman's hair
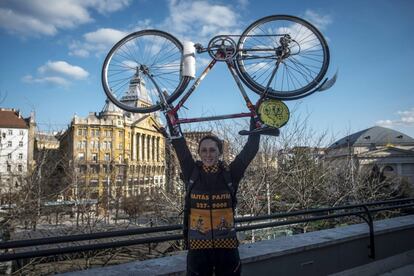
215	139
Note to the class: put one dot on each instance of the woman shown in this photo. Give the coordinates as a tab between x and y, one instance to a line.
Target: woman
211	187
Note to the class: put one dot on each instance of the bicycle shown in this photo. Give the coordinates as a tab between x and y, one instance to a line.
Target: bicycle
279	57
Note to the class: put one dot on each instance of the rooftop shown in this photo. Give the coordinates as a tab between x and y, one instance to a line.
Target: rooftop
380	136
11	118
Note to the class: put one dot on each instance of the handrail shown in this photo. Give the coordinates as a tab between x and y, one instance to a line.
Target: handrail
363	209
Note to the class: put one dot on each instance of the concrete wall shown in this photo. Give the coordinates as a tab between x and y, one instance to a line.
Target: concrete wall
316	253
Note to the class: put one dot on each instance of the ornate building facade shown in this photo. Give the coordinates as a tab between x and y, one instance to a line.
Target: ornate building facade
115	153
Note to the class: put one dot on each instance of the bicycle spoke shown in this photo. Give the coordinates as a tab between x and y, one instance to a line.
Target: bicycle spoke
304	52
134	57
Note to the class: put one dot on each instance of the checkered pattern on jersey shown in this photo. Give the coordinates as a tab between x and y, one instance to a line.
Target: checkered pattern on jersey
219	243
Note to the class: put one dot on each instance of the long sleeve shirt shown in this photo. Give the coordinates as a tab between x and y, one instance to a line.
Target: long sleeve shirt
211	218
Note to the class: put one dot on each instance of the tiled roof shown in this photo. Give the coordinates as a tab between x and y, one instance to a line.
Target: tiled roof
11	119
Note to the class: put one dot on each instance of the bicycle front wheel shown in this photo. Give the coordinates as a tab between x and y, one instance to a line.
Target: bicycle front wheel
283	56
126	70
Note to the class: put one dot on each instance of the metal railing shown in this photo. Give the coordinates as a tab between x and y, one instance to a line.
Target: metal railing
363	211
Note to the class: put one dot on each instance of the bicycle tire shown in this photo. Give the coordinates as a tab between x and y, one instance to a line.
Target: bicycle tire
158	51
298	74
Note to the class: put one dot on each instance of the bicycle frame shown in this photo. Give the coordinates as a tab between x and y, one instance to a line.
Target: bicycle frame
171	111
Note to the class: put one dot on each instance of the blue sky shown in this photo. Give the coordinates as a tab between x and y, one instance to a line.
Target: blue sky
51	55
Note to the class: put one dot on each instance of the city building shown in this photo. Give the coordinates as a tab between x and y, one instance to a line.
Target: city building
16	151
114	153
389	151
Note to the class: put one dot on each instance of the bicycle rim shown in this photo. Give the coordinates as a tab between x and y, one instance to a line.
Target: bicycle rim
302	66
123	77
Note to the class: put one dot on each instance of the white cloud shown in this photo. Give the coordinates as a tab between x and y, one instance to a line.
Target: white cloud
63	68
107	6
47	17
97	42
58	73
243	3
188	20
406	118
200	20
59	81
320	21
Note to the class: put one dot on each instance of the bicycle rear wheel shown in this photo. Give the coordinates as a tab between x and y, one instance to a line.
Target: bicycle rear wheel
298	48
126	68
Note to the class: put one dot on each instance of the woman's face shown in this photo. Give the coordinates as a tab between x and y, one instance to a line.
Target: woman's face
209	152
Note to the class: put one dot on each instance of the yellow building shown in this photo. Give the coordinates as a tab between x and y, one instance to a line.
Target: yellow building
115	153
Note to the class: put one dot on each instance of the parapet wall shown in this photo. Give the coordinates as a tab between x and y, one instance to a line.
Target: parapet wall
315	253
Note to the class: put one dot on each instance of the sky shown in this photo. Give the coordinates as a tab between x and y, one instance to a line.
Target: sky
52	52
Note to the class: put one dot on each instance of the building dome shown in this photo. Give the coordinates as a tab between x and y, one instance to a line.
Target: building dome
378	136
110	109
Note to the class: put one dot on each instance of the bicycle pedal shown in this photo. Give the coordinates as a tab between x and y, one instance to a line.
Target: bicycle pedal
262	131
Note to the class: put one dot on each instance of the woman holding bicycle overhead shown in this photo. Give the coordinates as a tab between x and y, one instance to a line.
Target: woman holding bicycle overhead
211	189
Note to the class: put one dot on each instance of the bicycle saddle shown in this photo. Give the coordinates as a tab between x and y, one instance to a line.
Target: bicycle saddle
265	130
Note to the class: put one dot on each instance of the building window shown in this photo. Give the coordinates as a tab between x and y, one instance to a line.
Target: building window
108	133
9	144
82	132
81	156
21	133
94	145
20	155
120	159
107	157
10	132
21	144
8	167
9	156
120	146
20	168
94	157
81	144
3	134
121	133
95	132
94	169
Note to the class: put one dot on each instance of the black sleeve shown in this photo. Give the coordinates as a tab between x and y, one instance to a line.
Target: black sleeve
243	159
184	157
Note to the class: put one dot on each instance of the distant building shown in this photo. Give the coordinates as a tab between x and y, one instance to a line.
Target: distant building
116	153
48	141
16	150
392	152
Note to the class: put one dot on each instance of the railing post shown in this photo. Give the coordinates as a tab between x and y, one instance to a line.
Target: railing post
369	220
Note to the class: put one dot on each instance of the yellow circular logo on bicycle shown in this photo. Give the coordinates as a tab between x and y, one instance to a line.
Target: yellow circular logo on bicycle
273	113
